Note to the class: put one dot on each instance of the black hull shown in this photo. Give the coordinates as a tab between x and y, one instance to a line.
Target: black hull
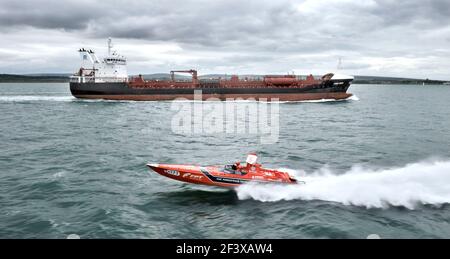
122	91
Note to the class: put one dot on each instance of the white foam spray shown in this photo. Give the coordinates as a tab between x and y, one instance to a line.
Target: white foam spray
408	186
50	98
351	98
35	98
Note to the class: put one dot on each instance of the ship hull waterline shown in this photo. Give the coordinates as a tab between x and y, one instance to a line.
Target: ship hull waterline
123	92
225	97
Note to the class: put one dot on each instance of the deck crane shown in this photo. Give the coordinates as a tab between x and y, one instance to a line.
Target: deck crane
191	71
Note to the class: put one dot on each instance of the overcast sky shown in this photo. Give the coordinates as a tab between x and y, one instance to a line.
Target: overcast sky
408	38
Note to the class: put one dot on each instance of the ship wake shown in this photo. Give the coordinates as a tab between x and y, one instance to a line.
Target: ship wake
239	101
423	183
35	98
351	98
50	98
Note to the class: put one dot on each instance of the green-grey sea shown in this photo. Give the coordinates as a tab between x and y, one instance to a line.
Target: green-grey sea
378	163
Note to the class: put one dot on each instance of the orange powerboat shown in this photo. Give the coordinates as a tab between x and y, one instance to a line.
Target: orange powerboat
227	176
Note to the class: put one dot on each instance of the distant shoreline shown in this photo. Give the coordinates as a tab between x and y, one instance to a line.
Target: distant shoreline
12	78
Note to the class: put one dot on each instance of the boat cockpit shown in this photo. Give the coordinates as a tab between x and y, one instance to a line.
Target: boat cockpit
233	169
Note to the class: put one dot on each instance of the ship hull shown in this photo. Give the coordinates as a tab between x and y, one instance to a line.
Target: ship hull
122	91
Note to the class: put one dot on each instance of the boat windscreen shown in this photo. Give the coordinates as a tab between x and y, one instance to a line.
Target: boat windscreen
229	169
232	169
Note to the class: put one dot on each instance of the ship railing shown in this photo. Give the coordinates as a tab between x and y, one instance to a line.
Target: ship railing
82	79
93	79
110	79
77	79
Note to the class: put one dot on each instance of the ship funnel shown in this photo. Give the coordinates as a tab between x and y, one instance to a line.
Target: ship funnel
94	57
85	56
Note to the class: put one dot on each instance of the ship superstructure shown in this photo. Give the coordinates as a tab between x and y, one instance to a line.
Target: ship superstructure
112	68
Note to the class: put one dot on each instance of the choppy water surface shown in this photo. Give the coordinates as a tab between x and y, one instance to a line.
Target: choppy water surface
376	164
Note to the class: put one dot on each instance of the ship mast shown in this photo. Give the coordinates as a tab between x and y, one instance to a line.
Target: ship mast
339	66
109	46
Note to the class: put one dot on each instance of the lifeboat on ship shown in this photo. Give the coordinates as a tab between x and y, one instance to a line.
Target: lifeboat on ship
227	176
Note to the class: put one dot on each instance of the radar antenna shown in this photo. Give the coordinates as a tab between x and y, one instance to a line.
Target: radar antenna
110	46
339	66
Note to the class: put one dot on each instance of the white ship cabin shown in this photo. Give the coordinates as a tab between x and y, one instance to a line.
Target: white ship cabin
113	68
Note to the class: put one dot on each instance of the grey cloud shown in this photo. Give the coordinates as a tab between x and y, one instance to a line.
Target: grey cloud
264	25
351	65
7	57
251	31
426	12
43	14
220	24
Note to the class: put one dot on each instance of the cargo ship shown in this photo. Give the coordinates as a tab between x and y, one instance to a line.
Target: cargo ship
108	79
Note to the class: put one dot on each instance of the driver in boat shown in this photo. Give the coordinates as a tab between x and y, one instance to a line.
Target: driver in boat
237	168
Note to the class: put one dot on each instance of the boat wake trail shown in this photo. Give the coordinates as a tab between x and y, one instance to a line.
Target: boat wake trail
35	98
408	186
50	98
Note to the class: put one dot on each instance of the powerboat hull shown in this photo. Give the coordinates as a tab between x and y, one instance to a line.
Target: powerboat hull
217	176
